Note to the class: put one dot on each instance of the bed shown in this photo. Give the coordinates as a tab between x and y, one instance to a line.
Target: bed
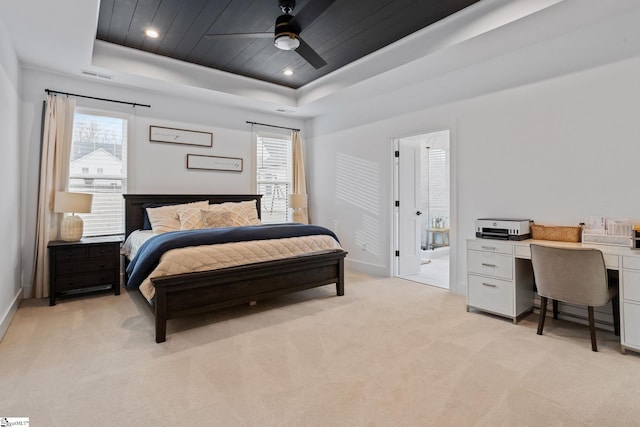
184	294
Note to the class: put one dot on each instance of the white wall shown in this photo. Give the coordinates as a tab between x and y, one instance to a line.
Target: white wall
556	151
152	167
11	215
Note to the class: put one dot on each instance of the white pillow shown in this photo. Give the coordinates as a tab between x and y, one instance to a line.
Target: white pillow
165	218
191	218
242	213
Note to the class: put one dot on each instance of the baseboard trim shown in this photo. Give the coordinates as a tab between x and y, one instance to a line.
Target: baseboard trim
364	267
8	315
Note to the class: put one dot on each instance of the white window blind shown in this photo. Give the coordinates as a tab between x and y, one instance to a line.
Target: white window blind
274	181
439	184
99	166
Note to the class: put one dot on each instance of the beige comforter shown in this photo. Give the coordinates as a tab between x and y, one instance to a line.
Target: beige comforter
212	257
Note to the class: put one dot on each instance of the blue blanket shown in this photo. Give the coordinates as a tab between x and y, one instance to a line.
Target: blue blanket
148	256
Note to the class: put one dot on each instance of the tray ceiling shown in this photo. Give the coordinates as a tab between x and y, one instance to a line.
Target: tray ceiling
345	32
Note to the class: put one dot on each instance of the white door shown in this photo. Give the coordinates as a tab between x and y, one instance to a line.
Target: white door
409	215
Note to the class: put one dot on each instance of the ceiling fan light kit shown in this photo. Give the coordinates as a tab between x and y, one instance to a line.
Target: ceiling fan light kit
286	41
286	32
286	35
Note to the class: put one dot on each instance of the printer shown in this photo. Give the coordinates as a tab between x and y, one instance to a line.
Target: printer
503	228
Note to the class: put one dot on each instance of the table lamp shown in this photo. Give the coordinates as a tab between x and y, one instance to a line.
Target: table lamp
297	202
72	226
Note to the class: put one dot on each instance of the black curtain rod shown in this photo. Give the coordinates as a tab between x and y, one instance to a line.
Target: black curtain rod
273	126
133	104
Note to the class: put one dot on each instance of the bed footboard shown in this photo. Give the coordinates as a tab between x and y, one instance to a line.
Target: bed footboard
191	293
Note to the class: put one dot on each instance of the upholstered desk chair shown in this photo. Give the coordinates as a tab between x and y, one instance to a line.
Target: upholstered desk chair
576	276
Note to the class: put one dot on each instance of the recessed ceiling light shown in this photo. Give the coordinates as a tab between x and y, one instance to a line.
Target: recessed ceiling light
152	33
288	72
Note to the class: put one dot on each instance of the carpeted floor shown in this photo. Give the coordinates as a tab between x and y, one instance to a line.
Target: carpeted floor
389	353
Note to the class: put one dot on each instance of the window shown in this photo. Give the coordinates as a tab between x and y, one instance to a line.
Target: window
98	166
274	176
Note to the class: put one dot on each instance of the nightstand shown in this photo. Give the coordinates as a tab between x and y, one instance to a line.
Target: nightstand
91	264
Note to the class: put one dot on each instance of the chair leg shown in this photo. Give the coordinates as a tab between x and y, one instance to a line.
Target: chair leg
543	314
615	303
592	329
555	309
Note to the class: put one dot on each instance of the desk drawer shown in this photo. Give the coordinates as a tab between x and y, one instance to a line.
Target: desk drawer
631	262
491	294
490	264
631	285
490	246
611	261
523	251
631	320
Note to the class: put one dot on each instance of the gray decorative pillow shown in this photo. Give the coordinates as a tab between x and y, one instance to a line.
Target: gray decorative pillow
215	219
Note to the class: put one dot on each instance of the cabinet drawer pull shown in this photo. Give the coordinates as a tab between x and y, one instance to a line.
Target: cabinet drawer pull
489	265
489	248
491	285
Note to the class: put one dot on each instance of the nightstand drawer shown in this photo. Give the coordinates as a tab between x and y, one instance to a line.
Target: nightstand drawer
71	253
84	280
90	265
97	251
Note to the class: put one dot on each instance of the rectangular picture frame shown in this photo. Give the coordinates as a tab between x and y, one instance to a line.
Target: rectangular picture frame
214	163
180	136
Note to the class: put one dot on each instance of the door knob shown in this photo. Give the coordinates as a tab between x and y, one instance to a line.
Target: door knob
418	213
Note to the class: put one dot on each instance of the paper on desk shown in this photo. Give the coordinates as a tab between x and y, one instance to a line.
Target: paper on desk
597	225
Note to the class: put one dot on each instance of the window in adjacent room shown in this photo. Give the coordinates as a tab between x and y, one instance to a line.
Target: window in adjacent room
99	166
274	176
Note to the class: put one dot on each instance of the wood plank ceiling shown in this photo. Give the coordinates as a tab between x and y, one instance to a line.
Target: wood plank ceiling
346	31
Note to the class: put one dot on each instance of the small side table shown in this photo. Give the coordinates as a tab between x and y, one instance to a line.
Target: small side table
89	265
433	233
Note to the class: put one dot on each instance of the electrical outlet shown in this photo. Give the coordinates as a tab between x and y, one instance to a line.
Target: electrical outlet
364	246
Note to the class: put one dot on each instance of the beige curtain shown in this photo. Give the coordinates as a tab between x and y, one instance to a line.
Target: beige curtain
54	176
299	193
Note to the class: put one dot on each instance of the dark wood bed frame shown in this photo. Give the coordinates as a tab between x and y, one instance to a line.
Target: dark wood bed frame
190	293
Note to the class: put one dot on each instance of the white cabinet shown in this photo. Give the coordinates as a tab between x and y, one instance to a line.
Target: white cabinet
498	282
630	304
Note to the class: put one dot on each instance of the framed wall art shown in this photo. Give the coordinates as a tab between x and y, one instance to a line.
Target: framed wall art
180	136
214	163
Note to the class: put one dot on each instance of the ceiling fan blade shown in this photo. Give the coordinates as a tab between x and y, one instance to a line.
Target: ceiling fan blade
310	55
239	36
310	13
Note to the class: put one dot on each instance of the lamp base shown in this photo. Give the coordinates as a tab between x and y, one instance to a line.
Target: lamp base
71	228
299	216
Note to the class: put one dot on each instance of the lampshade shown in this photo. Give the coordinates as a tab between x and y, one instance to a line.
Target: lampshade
298	201
287	41
72	227
72	202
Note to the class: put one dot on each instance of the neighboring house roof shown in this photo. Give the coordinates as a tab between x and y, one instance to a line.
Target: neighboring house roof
97	154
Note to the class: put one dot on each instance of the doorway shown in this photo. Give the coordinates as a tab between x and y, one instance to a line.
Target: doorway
423	212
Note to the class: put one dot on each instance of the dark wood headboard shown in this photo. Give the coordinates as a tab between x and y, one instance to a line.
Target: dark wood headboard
133	210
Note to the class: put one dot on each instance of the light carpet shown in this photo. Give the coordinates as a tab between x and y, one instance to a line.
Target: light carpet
388	353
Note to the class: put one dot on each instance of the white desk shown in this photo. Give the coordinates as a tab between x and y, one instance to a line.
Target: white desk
500	280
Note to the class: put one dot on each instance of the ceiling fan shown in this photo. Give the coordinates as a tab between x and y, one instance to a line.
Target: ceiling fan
288	28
